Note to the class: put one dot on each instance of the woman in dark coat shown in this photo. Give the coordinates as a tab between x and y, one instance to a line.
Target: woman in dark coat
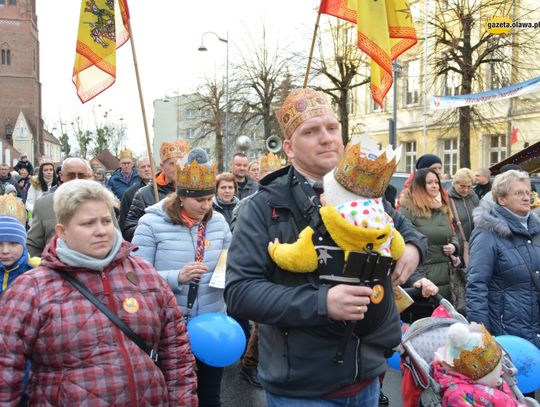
225	199
503	278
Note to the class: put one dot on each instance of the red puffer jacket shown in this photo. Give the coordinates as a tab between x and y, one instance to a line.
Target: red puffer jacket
78	356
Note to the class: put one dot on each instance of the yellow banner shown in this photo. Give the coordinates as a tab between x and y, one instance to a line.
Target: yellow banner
103	27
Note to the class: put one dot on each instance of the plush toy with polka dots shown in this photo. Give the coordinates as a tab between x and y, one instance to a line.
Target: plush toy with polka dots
355	223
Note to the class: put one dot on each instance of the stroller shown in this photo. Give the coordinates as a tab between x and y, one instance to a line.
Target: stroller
417	351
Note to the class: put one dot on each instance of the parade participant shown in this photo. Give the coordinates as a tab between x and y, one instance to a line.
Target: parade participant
43	217
99	176
183	238
225	200
431	217
123	177
7	178
24	163
84	357
170	154
488	202
503	285
253	170
43	182
144	171
482	182
301	318
469	369
239	167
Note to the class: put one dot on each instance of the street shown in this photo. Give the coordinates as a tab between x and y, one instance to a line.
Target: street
236	392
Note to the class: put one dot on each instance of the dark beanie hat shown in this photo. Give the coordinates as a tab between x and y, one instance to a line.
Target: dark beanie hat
11	230
427	160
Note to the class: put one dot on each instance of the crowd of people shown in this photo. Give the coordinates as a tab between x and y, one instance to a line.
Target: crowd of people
74	237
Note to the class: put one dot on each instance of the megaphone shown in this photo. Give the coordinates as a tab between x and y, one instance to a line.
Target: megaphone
274	144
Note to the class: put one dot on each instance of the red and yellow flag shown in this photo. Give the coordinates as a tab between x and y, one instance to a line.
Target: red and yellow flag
385	31
103	27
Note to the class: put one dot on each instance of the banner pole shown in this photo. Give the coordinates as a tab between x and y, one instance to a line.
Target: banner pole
312	47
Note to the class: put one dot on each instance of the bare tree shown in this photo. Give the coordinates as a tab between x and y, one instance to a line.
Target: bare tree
464	49
341	64
83	137
259	78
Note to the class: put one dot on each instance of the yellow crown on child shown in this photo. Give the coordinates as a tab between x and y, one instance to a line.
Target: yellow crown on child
480	360
363	175
198	178
269	163
301	104
126	154
176	149
11	206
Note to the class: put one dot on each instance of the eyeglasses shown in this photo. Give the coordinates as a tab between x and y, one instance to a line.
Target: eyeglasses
522	194
75	175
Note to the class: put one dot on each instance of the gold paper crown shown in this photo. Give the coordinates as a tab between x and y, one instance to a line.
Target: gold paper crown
269	163
11	206
195	178
300	105
176	149
126	154
363	176
481	360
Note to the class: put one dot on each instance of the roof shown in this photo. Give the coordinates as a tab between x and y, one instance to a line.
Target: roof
528	159
109	161
50	137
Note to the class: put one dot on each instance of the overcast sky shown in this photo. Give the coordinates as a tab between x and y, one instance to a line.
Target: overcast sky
167	34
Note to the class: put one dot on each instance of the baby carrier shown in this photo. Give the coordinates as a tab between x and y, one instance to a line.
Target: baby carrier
417	351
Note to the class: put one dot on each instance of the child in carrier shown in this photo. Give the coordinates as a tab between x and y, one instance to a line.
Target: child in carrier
469	369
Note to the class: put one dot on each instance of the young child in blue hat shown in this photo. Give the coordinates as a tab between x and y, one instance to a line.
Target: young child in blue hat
14	259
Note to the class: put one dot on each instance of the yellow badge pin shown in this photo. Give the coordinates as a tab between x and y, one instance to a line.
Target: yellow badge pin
130	305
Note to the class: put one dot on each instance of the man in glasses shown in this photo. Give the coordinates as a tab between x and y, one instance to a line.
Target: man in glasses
43	217
125	176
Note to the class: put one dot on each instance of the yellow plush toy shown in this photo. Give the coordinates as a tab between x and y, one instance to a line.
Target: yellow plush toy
353	214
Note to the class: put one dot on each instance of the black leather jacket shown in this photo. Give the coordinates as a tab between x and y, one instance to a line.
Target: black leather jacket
298	341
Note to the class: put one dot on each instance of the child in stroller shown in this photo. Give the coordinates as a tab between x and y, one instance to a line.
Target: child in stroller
429	382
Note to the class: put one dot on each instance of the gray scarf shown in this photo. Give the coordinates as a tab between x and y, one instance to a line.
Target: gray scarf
76	259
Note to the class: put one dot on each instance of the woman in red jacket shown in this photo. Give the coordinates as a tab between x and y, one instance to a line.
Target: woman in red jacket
78	356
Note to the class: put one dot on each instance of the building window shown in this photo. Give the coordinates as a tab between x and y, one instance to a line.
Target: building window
451	84
2	2
13	2
410	155
190	114
190	133
8	57
374	106
411	73
3	57
450	155
351	102
497	149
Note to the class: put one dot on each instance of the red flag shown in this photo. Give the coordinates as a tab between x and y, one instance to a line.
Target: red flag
514	136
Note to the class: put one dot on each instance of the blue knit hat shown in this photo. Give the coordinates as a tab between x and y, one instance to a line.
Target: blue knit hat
11	230
427	160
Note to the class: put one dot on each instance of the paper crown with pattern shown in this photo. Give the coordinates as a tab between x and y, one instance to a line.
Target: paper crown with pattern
300	105
269	163
198	178
177	149
472	351
366	173
126	154
11	206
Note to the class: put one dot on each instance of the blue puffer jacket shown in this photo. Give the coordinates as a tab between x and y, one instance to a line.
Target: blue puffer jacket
118	185
169	247
500	291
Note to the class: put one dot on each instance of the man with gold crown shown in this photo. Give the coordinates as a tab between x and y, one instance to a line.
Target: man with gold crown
123	177
170	154
303	318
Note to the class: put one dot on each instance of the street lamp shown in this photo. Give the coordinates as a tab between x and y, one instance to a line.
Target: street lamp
202	47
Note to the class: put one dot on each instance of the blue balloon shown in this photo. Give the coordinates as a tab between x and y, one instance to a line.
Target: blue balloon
216	339
393	361
526	358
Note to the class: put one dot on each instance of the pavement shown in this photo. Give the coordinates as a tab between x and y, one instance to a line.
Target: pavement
236	392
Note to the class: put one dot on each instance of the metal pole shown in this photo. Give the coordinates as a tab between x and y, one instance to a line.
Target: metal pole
424	130
393	133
